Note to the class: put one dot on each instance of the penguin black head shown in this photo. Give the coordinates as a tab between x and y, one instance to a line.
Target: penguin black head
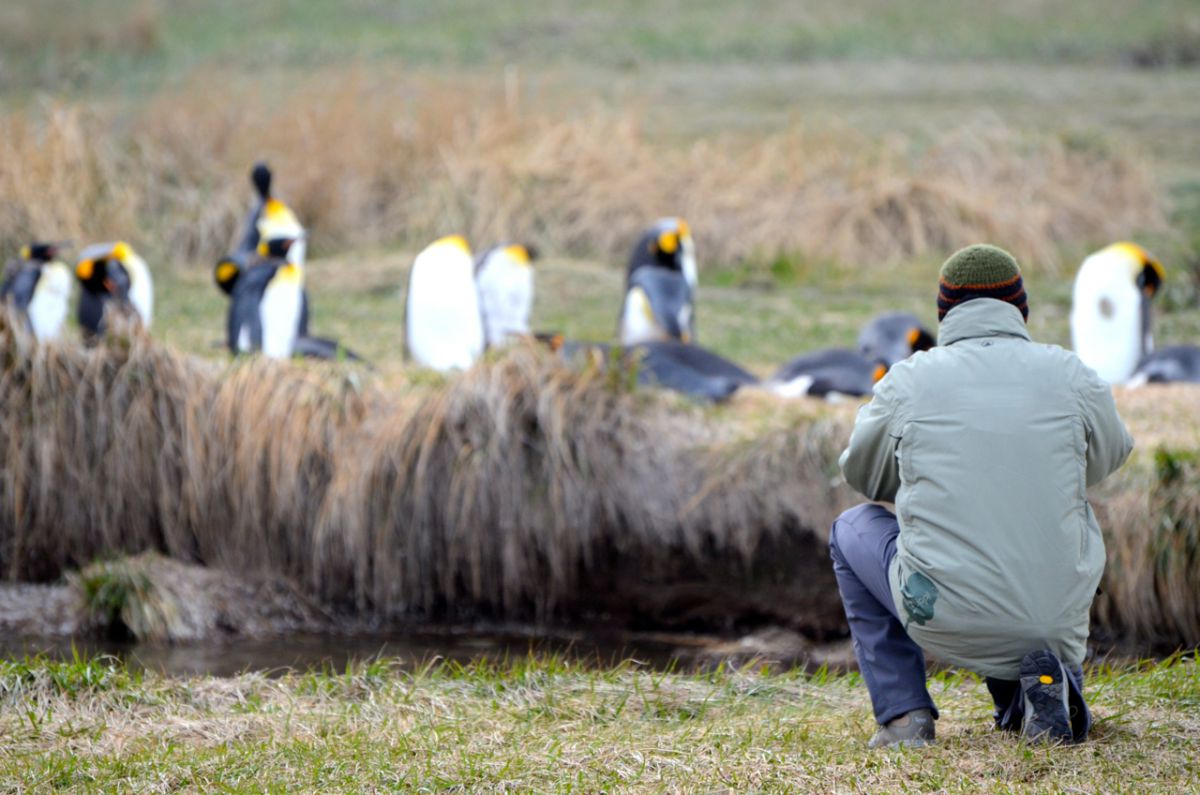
667	247
919	339
261	177
103	276
879	370
276	247
1150	278
41	252
227	271
661	246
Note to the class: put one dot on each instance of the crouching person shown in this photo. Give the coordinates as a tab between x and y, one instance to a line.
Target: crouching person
986	444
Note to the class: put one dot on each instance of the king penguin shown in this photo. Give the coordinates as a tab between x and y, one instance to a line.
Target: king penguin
38	286
1110	309
892	337
269	220
657	308
114	278
443	326
828	374
266	302
690	369
667	245
1171	364
504	278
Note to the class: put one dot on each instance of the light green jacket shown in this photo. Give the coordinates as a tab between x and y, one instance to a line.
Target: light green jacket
987	445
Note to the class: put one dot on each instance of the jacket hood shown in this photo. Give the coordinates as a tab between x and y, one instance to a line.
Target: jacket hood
982	317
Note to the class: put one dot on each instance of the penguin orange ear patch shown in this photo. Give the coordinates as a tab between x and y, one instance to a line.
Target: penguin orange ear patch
120	251
668	242
878	374
85	269
227	271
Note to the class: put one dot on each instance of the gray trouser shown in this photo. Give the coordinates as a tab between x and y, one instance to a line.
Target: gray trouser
862	544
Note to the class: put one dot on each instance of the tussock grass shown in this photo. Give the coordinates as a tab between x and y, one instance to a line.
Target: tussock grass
365	161
550	726
519	490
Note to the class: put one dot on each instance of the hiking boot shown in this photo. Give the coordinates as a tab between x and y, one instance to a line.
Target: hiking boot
911	730
1044	688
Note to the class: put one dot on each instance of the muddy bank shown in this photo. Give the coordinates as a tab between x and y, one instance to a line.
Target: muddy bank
189	619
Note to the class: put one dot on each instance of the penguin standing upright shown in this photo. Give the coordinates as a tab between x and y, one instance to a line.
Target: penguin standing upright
443	326
114	279
657	307
266	303
1110	309
504	277
38	286
666	245
273	237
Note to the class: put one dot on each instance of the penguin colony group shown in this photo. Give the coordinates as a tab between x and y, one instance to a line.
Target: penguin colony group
457	306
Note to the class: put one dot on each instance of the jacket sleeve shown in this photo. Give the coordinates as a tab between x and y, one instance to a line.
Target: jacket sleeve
869	464
1108	442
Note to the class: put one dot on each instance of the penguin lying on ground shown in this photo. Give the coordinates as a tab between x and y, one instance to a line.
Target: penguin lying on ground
1171	364
680	367
273	236
504	279
443	328
828	373
690	369
892	337
38	286
114	279
1110	310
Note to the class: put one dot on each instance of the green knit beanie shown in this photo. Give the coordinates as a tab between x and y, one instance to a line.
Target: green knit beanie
981	271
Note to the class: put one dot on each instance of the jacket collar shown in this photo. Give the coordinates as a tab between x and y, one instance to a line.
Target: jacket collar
982	317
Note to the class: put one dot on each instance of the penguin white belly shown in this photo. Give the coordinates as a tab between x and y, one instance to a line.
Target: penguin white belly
1106	324
506	298
637	320
141	287
279	311
50	302
444	328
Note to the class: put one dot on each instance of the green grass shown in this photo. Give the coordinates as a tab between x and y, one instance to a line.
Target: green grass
547	725
70	44
761	321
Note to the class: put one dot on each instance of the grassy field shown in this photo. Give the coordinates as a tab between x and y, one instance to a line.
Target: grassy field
1063	125
545	725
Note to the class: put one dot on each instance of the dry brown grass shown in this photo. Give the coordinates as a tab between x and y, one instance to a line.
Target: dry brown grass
363	160
520	490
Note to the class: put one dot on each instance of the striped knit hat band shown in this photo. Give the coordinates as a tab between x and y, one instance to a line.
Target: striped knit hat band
981	271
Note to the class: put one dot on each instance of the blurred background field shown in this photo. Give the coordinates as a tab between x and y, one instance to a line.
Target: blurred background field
828	155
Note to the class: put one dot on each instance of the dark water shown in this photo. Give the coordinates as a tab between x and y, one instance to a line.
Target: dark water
334	653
